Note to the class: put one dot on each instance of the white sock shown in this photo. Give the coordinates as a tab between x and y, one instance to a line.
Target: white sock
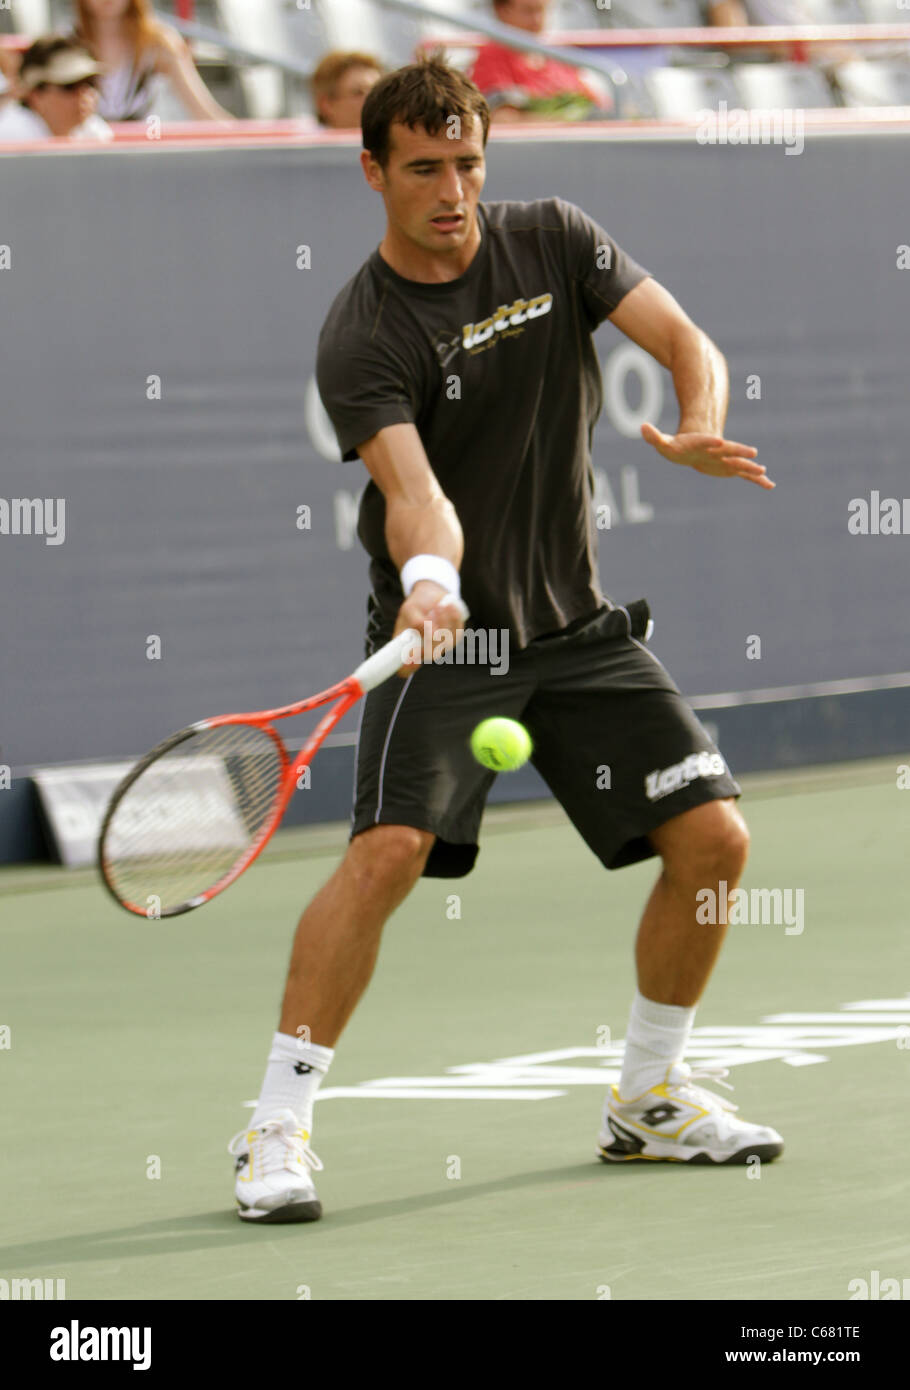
292	1079
656	1038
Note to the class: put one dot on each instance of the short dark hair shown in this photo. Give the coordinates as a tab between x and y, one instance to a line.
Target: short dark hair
425	93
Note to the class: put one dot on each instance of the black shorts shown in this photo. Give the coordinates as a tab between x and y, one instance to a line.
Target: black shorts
613	739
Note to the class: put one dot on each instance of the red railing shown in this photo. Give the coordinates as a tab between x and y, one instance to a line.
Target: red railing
133	135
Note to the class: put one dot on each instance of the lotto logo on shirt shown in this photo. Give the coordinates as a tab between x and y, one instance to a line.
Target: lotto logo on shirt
507	317
670	779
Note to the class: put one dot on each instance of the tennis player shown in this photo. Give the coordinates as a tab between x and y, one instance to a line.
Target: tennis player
458	364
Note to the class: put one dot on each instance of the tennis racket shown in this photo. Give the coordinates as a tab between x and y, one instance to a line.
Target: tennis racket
197	810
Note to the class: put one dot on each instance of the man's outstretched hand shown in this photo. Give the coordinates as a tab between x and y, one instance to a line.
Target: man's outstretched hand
709	453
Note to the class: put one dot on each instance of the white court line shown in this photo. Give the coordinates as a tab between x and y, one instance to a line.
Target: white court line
730	699
899	680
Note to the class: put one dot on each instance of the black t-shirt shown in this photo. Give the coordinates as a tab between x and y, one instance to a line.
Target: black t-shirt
498	372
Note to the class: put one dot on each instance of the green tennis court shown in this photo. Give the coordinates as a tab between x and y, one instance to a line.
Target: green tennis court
132	1047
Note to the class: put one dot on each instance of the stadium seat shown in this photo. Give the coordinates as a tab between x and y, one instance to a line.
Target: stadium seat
261	28
363	25
575	14
790	85
35	17
654	14
306	31
885	12
248	89
633	99
835	11
679	92
243	89
60	16
868	82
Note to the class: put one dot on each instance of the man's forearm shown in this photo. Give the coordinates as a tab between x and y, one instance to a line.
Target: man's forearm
424	528
701	384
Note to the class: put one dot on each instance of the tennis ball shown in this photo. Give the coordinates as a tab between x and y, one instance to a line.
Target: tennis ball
501	744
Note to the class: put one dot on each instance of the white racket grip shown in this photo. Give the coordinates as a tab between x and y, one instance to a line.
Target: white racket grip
384	663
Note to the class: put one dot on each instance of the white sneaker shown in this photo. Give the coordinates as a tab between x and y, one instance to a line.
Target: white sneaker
682	1123
273	1172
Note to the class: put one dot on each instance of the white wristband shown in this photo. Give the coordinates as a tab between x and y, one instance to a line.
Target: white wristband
430	567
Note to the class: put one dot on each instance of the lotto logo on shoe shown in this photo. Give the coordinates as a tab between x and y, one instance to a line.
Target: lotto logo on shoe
659	1114
670	779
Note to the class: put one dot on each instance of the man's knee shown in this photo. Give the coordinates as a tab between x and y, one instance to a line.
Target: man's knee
707	843
389	854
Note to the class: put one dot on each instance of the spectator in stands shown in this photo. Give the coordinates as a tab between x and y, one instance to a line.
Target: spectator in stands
56	86
340	85
725	13
526	86
137	51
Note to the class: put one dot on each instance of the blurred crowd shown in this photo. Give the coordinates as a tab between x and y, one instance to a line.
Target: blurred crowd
112	63
118	55
106	68
523	86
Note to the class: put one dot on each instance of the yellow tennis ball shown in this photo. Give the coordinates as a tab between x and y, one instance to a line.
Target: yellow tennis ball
502	745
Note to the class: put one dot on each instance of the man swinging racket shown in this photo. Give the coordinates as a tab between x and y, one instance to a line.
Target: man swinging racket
483	495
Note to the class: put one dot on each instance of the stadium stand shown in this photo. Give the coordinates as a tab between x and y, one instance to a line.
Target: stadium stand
866	82
834	11
884	12
648	81
790	85
678	92
654	14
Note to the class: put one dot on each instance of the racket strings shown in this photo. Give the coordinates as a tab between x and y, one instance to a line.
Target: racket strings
191	815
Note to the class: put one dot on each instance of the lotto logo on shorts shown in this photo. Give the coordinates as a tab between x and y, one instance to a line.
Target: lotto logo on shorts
670	779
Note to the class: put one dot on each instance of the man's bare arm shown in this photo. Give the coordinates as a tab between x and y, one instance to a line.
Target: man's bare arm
652	318
420	520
